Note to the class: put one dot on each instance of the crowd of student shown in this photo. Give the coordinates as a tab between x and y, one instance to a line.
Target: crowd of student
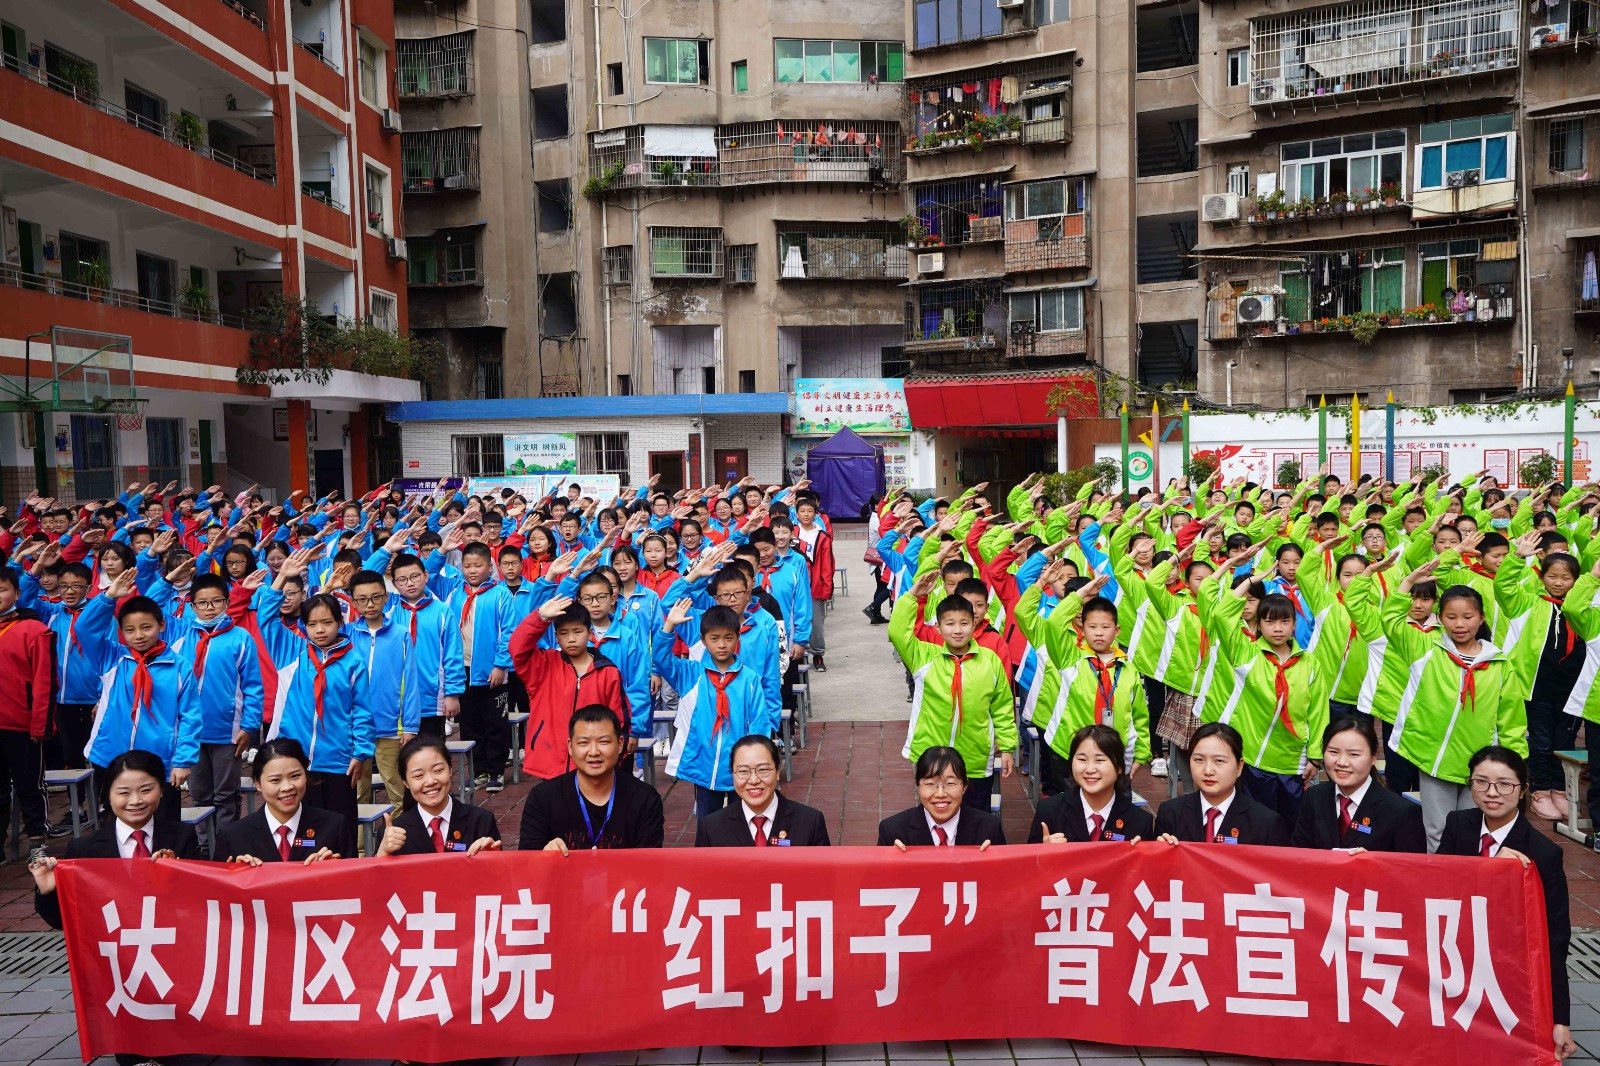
1413	638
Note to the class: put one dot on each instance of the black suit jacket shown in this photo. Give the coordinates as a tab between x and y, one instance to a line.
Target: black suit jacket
102	844
792	822
1063	813
1391	822
1462	832
467	824
1255	824
910	827
318	829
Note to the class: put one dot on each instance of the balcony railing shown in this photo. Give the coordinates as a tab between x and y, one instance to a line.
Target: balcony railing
745	153
124	298
956	317
320	50
434	67
167	133
1463	275
1050	242
245	13
1565	150
321	195
1305	58
439	160
822	252
1025	103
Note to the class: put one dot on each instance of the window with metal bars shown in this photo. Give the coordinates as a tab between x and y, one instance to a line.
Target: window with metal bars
382	312
742	263
685	252
439	160
841	251
618	264
435	66
479	454
603	453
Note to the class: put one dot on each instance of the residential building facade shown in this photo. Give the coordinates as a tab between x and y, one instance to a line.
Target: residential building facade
166	167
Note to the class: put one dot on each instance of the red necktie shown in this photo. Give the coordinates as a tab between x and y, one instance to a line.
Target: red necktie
438	835
1344	814
1280	687
1211	824
955	686
760	822
319	684
724	712
283	842
141	850
1094	830
143	684
1486	845
944	838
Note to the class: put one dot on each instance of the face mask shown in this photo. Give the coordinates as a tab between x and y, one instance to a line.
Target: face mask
1500	523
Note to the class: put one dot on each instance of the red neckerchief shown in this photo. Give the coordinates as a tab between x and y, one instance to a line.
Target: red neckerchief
414	608
471	601
766	573
1205	641
1293	592
143	683
724	712
1280	687
203	640
1560	621
319	684
292	624
1105	687
1469	683
955	682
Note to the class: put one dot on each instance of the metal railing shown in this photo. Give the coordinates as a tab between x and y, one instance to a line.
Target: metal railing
321	196
124	298
320	50
1565	150
37	74
245	13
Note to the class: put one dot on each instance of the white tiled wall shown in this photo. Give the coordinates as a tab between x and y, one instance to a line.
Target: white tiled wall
428	443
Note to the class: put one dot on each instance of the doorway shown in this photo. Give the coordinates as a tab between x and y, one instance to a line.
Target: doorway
669	465
329	469
94	457
732	464
165	439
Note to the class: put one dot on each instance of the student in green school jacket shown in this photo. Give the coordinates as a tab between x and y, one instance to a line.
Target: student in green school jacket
960	695
1098	685
1461	694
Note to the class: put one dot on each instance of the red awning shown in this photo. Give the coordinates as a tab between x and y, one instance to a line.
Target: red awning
953	403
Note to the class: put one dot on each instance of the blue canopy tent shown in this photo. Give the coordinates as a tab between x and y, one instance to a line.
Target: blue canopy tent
845	471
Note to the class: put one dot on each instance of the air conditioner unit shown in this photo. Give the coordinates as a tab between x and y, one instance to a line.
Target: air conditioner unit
391	120
397	248
1003	4
1256	308
930	263
1219	207
1464	179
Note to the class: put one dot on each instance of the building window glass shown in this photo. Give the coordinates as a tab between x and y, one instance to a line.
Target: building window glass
939	22
669	61
479	455
370	61
618	263
604	453
845	61
377	189
1313	170
1238	66
382	312
1045	199
1048	310
741	77
1465	152
1239	179
742	263
1048	11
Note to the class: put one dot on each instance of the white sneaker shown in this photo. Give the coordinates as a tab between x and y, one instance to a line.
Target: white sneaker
663	748
1158	767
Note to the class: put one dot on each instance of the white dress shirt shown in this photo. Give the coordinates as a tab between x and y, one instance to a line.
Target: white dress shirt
1355	797
293	823
1499	835
1222	808
125	837
770	814
1089	812
949	827
444	821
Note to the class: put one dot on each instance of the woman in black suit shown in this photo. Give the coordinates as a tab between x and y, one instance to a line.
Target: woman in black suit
284	829
133	791
1353	811
939	818
1497	828
1101	807
1220	812
436	823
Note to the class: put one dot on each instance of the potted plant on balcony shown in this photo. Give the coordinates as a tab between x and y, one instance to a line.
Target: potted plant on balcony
1272	204
1390	191
375	220
187	130
82	79
1364	326
95	274
196	300
667	172
913	228
1339	201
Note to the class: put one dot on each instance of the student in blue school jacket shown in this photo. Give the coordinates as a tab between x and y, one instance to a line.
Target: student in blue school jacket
82	626
385	649
435	636
720	699
759	639
323	703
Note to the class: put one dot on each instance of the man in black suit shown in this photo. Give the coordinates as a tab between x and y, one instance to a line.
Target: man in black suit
762	817
112	839
939	818
1379	820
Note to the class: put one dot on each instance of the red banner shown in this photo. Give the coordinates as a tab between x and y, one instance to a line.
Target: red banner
1371	958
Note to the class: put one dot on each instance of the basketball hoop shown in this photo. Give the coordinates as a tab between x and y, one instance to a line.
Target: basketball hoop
129	413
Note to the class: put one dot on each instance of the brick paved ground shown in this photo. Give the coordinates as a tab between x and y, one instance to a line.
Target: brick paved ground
852	771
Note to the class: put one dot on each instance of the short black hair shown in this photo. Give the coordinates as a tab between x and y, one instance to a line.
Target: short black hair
762	535
729	575
9	577
754	740
1099	605
214	582
594	712
1223	732
404	560
971	586
278	748
477	550
366	577
956	566
138	761
719	618
1491	541
1352	723
420	743
141	605
954	605
575	614
938	760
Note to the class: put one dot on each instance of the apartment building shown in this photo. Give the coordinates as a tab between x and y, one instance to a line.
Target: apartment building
1396	194
165	167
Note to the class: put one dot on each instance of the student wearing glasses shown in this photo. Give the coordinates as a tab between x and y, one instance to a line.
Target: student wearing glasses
763	817
1496	827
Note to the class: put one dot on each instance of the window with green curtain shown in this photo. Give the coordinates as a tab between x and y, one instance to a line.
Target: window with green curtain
788	60
1383	287
1435	276
413	74
656	61
1296	296
847	60
741	77
422	261
894	62
666	255
819	61
688	62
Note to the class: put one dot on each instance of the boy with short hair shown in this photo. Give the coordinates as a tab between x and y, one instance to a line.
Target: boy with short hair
814	536
474	597
25	660
960	695
436	656
383	645
720	699
560	679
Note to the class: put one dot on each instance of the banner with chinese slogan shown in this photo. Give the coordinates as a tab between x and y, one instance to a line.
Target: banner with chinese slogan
824	406
1286	954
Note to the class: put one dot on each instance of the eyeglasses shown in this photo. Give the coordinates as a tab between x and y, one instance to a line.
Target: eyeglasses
595	600
1494	788
945	784
368	601
757	773
74	587
729	597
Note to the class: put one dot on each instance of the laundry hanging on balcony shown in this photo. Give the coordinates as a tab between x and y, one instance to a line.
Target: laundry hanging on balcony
698	142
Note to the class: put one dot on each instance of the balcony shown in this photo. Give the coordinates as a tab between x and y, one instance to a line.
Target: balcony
1565	151
1015	103
823	251
1586	275
956	318
1565	26
950	214
1378	49
1466	276
746	153
1047	225
435	68
691	253
436	161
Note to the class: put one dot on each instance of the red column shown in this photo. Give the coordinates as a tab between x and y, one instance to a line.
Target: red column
299	445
